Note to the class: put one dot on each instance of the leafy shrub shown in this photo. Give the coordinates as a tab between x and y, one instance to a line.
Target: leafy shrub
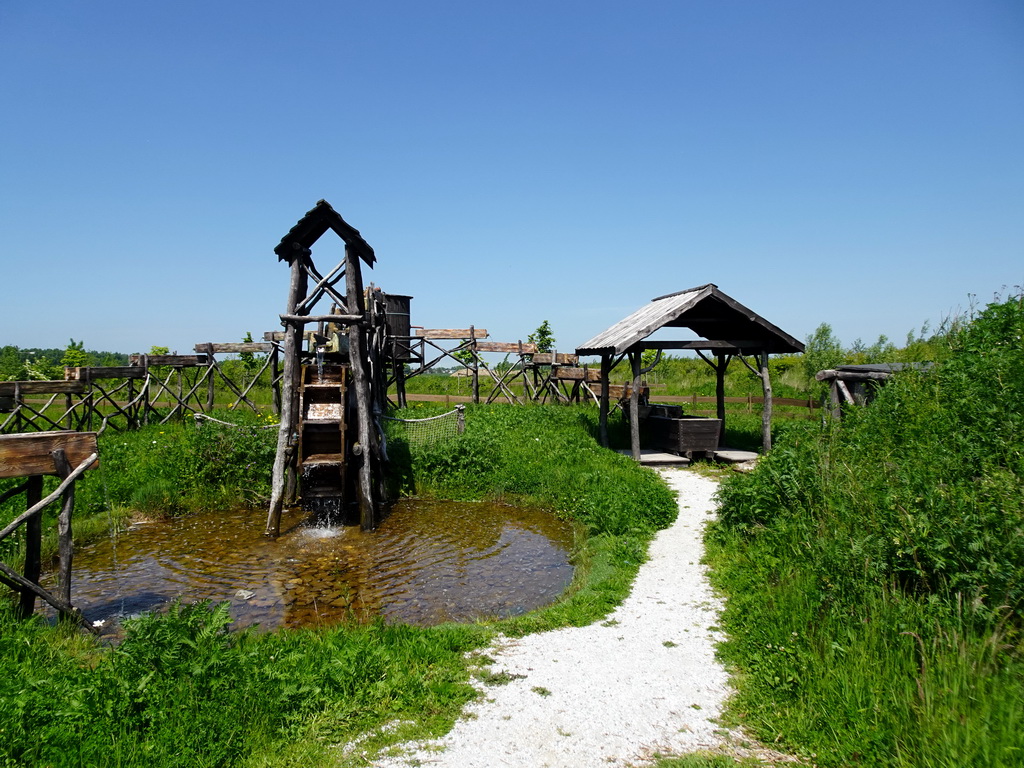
874	564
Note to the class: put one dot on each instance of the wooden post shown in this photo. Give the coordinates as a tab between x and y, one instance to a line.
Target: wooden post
360	381
33	545
634	405
292	370
606	374
721	364
476	366
766	416
210	390
65	542
275	379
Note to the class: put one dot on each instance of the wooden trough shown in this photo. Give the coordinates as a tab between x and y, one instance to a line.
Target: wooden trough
666	428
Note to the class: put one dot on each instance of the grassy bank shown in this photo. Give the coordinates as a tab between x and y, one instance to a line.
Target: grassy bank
181	690
875	569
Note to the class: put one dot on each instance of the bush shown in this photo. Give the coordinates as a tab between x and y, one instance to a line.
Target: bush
874	565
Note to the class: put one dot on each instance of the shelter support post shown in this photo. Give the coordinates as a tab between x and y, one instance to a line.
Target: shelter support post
766	414
634	405
606	374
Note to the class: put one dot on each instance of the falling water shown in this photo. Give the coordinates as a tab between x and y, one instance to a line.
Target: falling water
320	349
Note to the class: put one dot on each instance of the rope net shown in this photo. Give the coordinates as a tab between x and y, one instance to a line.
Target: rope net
428	431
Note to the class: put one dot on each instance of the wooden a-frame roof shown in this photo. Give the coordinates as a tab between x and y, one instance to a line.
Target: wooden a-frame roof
312	226
723	323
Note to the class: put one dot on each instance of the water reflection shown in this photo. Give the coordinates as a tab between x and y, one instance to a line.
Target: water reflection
427	563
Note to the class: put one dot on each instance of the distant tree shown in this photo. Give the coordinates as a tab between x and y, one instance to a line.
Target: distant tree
75	355
159	351
543	337
251	364
11	366
821	352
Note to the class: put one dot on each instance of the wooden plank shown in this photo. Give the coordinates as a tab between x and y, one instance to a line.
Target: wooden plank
506	347
279	335
576	374
177	361
559	358
8	388
451	333
92	373
234	349
24	455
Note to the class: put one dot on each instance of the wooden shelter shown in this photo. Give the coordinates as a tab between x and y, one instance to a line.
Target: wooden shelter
726	328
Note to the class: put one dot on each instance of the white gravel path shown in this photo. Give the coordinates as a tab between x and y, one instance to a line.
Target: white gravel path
644	680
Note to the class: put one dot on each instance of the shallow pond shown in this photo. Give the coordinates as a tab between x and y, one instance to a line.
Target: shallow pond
427	563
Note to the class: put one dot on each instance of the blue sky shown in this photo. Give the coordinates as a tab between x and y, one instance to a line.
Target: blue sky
860	164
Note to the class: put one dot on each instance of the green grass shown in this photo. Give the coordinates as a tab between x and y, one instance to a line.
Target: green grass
874	570
181	690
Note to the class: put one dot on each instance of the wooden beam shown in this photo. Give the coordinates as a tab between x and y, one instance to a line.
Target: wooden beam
555	358
15	388
176	361
519	348
302	319
94	372
29	454
451	333
232	349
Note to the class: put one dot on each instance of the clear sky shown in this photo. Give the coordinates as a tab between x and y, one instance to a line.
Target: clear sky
860	164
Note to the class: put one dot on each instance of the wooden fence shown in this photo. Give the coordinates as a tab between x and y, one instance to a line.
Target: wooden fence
153	388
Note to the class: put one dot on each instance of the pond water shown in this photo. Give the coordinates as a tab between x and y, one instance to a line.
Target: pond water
427	563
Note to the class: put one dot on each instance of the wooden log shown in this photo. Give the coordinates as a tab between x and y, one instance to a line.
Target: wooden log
176	361
604	406
65	542
303	319
18	389
33	545
92	373
211	389
505	347
283	458
766	412
577	374
555	358
278	336
358	354
210	349
451	333
634	406
23	455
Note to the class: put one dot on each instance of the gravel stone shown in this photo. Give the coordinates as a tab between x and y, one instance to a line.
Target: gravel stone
643	680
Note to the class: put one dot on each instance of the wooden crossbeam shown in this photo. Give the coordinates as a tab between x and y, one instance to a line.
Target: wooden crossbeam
451	333
17	388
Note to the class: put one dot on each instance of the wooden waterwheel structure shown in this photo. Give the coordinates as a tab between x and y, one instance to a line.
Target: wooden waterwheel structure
334	381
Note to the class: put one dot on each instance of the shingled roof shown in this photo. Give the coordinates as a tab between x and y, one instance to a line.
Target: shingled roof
721	321
312	226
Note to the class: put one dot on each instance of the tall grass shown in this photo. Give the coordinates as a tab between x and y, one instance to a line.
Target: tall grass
875	569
